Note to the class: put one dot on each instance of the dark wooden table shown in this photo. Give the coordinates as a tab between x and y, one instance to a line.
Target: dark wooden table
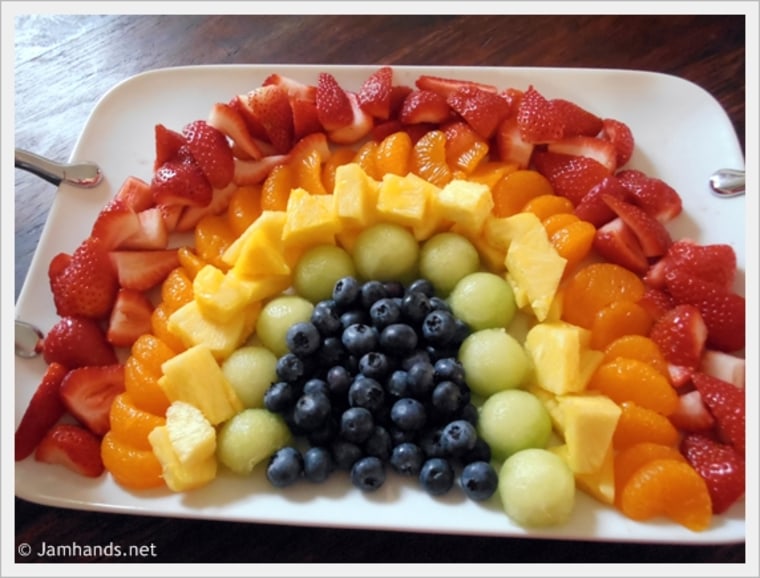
64	64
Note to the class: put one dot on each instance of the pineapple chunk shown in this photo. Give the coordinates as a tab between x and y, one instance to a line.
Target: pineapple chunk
561	356
260	256
466	203
404	199
179	476
194	328
221	296
195	377
355	195
264	287
491	256
269	222
192	437
599	484
310	219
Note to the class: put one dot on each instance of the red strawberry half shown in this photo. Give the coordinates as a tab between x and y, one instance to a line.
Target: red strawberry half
481	109
722	468
375	94
652	235
333	105
653	195
692	415
447	86
76	342
210	149
130	318
728	404
621	137
87	392
73	447
576	121
538	119
592	207
143	270
571	176
424	106
680	335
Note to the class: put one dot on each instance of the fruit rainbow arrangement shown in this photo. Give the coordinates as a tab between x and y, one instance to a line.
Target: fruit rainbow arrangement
449	280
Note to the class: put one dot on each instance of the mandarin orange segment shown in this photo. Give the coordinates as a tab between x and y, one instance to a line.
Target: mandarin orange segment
638	424
342	156
573	242
428	158
638	347
488	173
176	290
627	461
635	381
618	319
131	467
593	287
159	324
544	206
190	261
142	386
393	154
244	208
130	424
213	236
554	223
308	173
670	488
152	351
276	188
516	188
366	158
469	159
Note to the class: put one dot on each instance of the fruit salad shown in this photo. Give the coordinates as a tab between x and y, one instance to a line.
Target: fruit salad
449	281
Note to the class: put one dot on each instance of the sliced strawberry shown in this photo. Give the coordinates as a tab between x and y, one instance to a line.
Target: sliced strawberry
333	105
230	120
130	318
168	143
87	392
360	126
143	270
270	106
305	118
180	183
724	366
653	237
483	110
424	106
220	200
76	342
375	94
722	468
576	121
571	176
385	128
210	149
621	137
715	263
293	87
151	234
727	403
680	375
44	410
448	86
513	96
587	146
57	264
537	118
692	414
171	214
656	302
592	207
74	447
723	311
653	195
680	334
88	285
252	172
399	92
616	242
253	126
135	194
510	147
115	223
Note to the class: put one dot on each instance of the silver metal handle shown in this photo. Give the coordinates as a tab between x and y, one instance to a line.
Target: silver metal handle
83	174
728	183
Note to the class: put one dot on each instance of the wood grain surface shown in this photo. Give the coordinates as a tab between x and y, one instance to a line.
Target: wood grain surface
64	64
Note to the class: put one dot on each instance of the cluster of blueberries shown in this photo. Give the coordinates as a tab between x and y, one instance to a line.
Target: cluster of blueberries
371	381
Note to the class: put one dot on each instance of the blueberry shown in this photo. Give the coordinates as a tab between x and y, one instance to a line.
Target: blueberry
353	316
318	464
280	396
449	369
326	318
436	476
290	367
339	379
415	306
438	304
430	442
316	385
397	385
470	413
324	434
398	339
345	453
480	453
370	292
461	333
479	480
375	365
414	357
285	467
420	379
303	338
359	339
384	312
394	288
400	436
368	474
346	292
332	352
458	437
356	424
366	392
408	414
407	459
378	444
311	410
422	286
447	398
439	327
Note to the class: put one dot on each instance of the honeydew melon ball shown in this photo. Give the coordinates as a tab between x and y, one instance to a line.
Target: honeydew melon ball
483	300
514	420
277	316
319	268
386	252
250	437
493	361
446	258
537	488
250	371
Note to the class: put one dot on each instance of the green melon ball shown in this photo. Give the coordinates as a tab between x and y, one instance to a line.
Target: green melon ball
277	316
250	437
493	361
537	488
445	259
514	420
319	268
250	371
483	300
386	252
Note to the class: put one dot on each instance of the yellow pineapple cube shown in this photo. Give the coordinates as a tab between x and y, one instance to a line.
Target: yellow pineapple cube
180	476
355	195
491	256
261	256
194	328
466	203
404	199
192	436
195	377
600	484
264	287
310	219
221	296
270	222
